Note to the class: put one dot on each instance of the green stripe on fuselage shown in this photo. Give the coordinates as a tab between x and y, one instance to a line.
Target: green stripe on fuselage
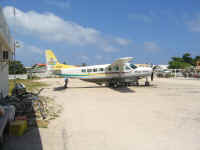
73	75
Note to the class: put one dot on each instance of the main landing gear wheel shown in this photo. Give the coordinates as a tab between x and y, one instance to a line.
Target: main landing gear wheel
125	84
147	83
115	85
110	84
66	83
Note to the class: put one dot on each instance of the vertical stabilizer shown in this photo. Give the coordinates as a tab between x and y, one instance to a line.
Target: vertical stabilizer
51	60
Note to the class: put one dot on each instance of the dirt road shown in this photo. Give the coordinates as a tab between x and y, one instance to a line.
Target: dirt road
165	116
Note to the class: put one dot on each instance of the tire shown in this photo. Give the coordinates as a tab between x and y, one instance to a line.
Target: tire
147	84
115	85
1	141
110	84
19	106
38	106
28	102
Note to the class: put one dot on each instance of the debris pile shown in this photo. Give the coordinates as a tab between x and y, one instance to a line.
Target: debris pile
32	107
51	112
51	109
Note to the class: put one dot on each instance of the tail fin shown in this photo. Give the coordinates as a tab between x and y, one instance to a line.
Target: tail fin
51	58
52	62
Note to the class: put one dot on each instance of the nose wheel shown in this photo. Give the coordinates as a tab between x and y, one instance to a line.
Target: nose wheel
115	85
66	83
137	83
147	83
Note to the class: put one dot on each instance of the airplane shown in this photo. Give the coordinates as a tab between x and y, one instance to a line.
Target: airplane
119	73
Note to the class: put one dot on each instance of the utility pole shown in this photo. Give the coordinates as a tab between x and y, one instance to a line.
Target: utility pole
14	14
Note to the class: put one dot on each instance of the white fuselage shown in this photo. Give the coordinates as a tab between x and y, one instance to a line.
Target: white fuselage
101	73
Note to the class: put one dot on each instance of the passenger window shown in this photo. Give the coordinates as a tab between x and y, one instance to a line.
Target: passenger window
89	70
109	69
117	68
95	70
101	69
83	70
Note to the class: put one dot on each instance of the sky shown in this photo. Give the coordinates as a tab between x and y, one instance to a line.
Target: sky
101	31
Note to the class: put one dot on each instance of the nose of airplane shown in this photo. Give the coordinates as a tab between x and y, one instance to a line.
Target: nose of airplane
149	70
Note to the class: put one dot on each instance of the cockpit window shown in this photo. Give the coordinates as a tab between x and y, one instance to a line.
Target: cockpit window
127	68
133	66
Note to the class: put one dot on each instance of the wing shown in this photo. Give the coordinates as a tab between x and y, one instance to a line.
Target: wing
122	61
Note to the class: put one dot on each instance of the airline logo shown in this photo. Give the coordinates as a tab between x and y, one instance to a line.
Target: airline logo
52	62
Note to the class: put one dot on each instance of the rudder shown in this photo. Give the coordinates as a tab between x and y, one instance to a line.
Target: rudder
51	59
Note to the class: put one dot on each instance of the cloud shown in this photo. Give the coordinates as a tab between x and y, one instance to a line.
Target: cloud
84	58
194	25
140	17
109	48
122	41
98	57
30	54
35	49
50	27
151	46
29	48
59	3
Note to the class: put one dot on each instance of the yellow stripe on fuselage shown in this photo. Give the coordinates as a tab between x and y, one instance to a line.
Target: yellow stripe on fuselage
63	66
53	62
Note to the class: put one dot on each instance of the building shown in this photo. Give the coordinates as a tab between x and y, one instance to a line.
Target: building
198	65
162	67
38	68
6	54
143	65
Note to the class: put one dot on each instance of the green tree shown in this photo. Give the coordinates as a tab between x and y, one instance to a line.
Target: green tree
177	59
188	59
184	62
178	65
84	64
16	67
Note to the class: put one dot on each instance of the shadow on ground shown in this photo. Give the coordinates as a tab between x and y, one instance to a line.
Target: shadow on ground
123	90
120	89
61	88
142	86
31	140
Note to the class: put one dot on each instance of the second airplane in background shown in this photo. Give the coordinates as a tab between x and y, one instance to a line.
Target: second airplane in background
119	73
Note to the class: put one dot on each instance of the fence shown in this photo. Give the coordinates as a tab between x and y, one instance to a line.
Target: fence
18	76
30	75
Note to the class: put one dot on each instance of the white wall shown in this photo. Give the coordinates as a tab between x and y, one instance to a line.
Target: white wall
18	76
3	80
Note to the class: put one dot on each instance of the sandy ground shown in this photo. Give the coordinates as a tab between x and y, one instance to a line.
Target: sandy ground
165	116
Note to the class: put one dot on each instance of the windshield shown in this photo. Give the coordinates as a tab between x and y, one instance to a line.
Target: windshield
133	66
